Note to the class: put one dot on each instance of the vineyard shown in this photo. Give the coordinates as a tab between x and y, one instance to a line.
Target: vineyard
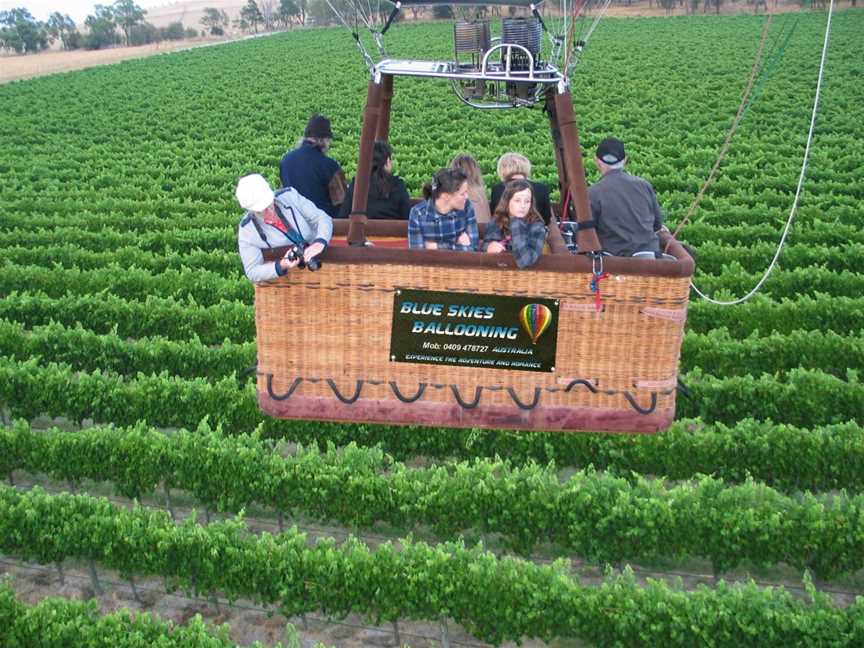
134	452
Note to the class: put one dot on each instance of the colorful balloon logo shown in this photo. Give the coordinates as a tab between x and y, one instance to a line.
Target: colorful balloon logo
535	319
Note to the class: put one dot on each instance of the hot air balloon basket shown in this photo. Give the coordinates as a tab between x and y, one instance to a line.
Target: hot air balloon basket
434	345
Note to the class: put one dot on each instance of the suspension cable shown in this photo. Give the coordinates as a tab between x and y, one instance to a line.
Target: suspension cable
597	20
773	57
728	141
801	177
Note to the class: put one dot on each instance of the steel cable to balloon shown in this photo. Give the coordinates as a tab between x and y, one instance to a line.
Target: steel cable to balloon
799	188
728	141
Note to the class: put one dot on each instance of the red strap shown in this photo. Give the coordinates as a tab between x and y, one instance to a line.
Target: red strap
271	219
595	288
564	212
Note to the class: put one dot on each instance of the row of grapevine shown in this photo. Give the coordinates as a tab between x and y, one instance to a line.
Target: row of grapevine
204	286
182	319
88	351
602	518
99	231
109	352
713	257
801	397
209	287
112	353
496	599
825	457
79	624
167	317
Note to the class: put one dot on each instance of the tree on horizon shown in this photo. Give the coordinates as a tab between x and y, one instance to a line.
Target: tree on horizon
127	14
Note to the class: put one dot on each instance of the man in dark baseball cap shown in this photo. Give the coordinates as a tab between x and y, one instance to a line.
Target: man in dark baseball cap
624	207
308	169
318	126
611	151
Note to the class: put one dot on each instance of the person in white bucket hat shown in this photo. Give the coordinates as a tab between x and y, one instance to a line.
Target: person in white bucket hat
273	220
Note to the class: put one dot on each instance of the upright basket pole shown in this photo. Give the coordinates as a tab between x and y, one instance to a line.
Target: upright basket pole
569	156
357	226
557	147
383	131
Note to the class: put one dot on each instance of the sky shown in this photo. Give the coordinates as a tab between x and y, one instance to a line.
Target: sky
77	9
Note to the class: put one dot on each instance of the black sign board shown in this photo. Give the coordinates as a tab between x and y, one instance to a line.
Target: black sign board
471	330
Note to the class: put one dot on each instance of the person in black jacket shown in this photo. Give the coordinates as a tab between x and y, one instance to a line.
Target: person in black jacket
308	169
388	197
513	166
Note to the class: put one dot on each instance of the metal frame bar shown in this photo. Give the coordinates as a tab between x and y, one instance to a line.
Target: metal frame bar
547	75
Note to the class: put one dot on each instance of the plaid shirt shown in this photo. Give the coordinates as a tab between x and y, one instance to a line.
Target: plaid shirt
426	224
526	240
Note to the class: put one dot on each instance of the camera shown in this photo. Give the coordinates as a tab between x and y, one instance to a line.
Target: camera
295	253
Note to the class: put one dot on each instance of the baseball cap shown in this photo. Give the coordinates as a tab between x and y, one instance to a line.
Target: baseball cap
611	151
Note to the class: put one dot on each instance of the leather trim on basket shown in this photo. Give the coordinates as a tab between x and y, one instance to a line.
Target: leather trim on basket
636	406
286	395
522	405
580	381
671	314
406	399
337	393
389	411
670	383
561	263
477	392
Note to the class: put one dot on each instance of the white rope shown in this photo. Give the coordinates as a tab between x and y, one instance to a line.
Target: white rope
338	15
577	54
597	20
792	211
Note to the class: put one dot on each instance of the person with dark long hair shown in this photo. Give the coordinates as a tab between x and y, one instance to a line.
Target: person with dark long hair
388	197
516	225
445	219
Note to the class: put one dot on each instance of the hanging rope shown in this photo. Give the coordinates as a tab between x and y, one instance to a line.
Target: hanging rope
570	33
774	56
725	148
597	20
576	43
801	177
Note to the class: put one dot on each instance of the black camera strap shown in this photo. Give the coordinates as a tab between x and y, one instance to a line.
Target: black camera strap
260	231
292	233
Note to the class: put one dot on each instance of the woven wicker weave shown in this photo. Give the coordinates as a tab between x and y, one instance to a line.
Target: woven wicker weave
324	342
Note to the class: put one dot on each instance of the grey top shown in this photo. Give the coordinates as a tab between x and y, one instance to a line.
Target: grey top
627	213
306	221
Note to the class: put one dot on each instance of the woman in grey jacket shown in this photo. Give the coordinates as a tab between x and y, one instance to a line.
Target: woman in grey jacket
516	225
277	220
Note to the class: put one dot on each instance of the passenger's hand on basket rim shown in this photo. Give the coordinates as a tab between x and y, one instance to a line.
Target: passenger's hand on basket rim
463	239
430	245
495	247
312	251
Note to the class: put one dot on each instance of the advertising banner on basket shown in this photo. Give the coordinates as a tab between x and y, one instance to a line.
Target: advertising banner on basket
471	330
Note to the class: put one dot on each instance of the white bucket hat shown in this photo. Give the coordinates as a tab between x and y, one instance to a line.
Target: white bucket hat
254	193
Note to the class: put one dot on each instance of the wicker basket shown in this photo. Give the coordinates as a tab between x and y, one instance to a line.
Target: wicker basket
324	343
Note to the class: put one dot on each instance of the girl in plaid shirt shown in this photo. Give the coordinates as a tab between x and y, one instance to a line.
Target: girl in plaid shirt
445	220
516	225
